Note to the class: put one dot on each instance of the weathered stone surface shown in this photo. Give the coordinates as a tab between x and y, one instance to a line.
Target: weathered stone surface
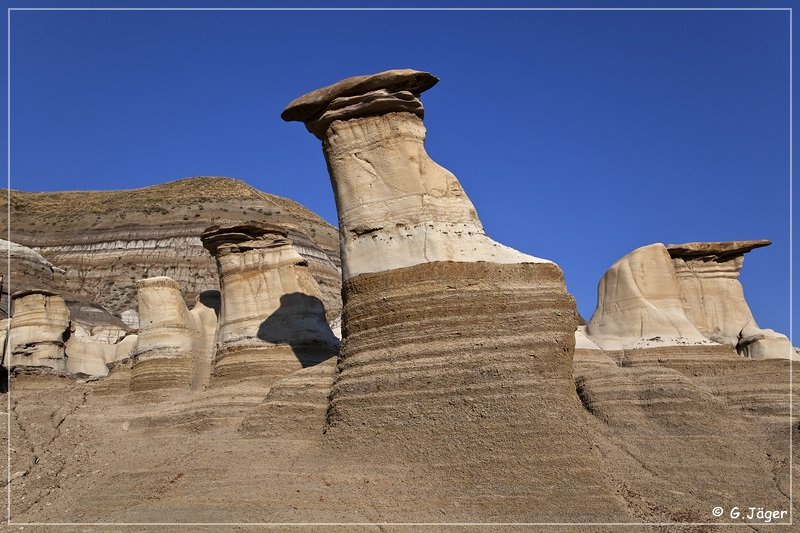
681	294
106	240
29	270
713	297
396	206
272	319
163	354
92	357
639	304
462	370
309	106
295	407
39	330
457	350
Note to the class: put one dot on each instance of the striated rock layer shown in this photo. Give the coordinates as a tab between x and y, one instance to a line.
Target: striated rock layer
29	271
465	369
272	320
106	240
174	344
457	350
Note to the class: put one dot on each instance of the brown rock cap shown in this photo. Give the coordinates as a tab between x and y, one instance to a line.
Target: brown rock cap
235	233
717	251
311	105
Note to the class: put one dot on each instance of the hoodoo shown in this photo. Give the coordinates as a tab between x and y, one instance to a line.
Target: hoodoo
163	354
39	331
457	351
272	319
681	295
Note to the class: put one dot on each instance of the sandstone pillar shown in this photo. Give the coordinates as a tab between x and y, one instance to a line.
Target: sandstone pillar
39	330
272	320
457	350
163	354
713	297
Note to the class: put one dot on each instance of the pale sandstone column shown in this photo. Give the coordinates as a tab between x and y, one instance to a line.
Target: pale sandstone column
639	304
272	320
457	350
39	330
163	354
713	297
397	207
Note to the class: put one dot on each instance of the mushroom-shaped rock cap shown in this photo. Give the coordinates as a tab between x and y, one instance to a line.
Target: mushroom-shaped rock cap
717	251
238	232
310	105
27	292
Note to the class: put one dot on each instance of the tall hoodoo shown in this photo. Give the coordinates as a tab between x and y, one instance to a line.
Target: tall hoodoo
457	350
272	320
397	207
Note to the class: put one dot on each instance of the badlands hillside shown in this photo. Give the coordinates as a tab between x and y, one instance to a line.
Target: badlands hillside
207	385
106	240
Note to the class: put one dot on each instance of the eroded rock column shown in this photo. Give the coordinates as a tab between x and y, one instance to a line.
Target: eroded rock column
272	320
39	330
682	295
713	297
397	207
457	351
163	354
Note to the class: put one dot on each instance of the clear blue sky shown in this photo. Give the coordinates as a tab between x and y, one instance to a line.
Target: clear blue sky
579	136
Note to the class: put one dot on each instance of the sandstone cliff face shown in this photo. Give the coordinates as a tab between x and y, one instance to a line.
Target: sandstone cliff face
639	304
681	294
107	240
272	320
457	350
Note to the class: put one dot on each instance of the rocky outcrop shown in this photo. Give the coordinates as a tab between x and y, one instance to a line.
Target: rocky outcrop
106	240
397	207
639	304
295	407
29	271
457	350
163	354
39	331
272	319
681	295
713	297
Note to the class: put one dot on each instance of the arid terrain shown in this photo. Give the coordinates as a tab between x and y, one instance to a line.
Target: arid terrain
201	355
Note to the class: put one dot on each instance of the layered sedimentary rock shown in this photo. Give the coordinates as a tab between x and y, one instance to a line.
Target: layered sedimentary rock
29	271
272	319
397	207
457	350
39	331
106	240
681	295
163	354
295	407
97	339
